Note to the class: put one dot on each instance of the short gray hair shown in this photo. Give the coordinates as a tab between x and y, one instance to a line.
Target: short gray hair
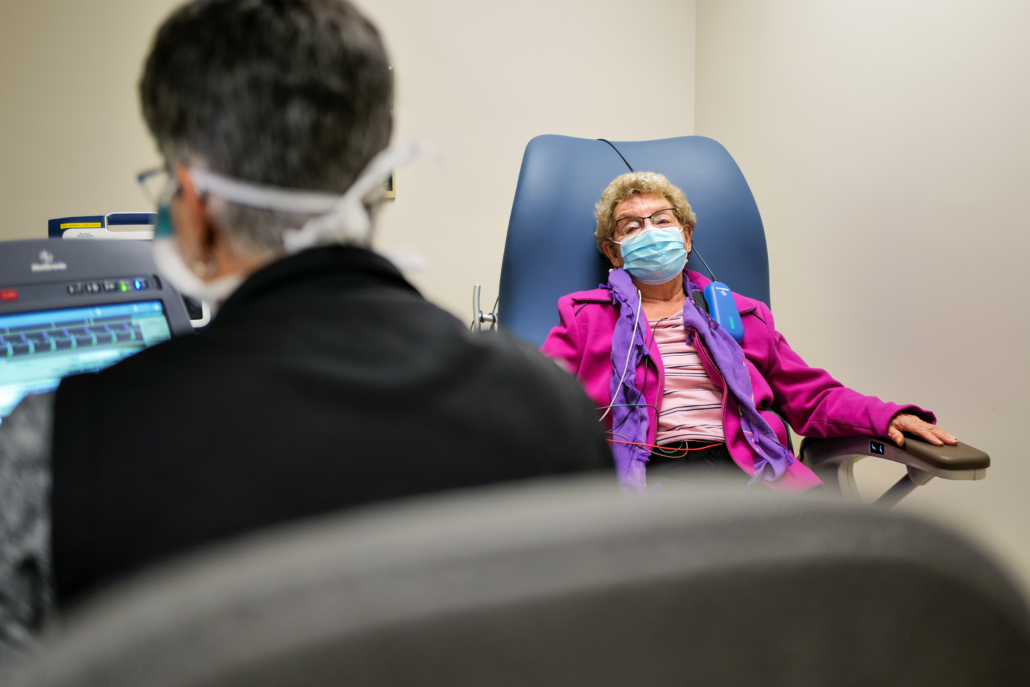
289	93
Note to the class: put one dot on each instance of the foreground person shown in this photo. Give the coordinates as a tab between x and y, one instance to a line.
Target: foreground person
676	392
324	382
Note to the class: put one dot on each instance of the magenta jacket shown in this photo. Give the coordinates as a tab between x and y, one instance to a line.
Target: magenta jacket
813	402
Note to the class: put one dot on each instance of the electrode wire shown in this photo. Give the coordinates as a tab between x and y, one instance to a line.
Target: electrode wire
629	354
665	448
647	370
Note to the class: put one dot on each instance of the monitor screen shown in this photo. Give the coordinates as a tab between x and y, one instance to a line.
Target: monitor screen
38	348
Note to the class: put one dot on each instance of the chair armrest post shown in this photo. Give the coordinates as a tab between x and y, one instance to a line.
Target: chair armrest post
837	471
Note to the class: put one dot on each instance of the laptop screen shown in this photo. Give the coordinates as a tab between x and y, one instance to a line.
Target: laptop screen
38	348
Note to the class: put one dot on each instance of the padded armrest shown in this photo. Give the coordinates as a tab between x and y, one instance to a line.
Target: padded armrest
833	460
947	462
958	457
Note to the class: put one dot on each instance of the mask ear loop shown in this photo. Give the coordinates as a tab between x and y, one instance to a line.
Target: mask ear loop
169	260
202	268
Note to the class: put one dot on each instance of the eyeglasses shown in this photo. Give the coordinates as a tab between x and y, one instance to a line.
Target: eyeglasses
157	185
662	219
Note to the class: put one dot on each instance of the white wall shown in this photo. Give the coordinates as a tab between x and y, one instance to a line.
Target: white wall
480	79
888	148
71	136
477	79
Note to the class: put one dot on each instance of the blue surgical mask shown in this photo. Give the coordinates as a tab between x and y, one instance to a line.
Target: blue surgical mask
654	256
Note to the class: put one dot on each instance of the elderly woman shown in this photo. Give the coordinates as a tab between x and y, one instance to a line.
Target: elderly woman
674	389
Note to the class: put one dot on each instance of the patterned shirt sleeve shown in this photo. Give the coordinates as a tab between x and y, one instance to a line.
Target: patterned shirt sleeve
26	594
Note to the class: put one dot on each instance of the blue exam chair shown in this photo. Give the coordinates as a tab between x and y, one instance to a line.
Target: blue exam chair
550	252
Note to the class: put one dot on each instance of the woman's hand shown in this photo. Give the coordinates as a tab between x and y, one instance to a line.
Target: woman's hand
903	422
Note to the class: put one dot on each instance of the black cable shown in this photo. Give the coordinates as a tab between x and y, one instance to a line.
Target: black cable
705	264
617	151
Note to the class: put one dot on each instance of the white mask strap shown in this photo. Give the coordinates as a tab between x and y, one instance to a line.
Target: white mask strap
341	219
260	196
349	221
171	265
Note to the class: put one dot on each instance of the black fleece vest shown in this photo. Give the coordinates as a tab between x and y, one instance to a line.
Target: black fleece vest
325	382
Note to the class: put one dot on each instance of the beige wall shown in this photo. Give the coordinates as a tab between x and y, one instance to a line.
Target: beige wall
71	137
480	79
477	79
888	149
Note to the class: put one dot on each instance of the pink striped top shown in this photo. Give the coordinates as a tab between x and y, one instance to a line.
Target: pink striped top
691	407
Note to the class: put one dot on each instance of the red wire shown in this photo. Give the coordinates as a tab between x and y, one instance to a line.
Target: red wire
654	446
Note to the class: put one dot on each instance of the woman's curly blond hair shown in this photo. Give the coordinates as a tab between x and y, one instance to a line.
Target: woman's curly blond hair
631	184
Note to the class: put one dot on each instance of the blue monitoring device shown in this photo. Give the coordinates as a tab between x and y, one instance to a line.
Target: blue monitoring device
723	309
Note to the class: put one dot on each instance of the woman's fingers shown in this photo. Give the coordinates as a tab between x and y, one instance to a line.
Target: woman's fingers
944	436
895	435
910	423
927	432
900	423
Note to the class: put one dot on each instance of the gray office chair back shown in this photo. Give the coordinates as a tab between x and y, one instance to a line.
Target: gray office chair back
564	583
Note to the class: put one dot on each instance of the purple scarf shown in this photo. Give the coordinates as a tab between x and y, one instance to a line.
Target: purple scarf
629	409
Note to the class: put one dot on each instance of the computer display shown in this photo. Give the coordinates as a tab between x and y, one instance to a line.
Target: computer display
38	348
